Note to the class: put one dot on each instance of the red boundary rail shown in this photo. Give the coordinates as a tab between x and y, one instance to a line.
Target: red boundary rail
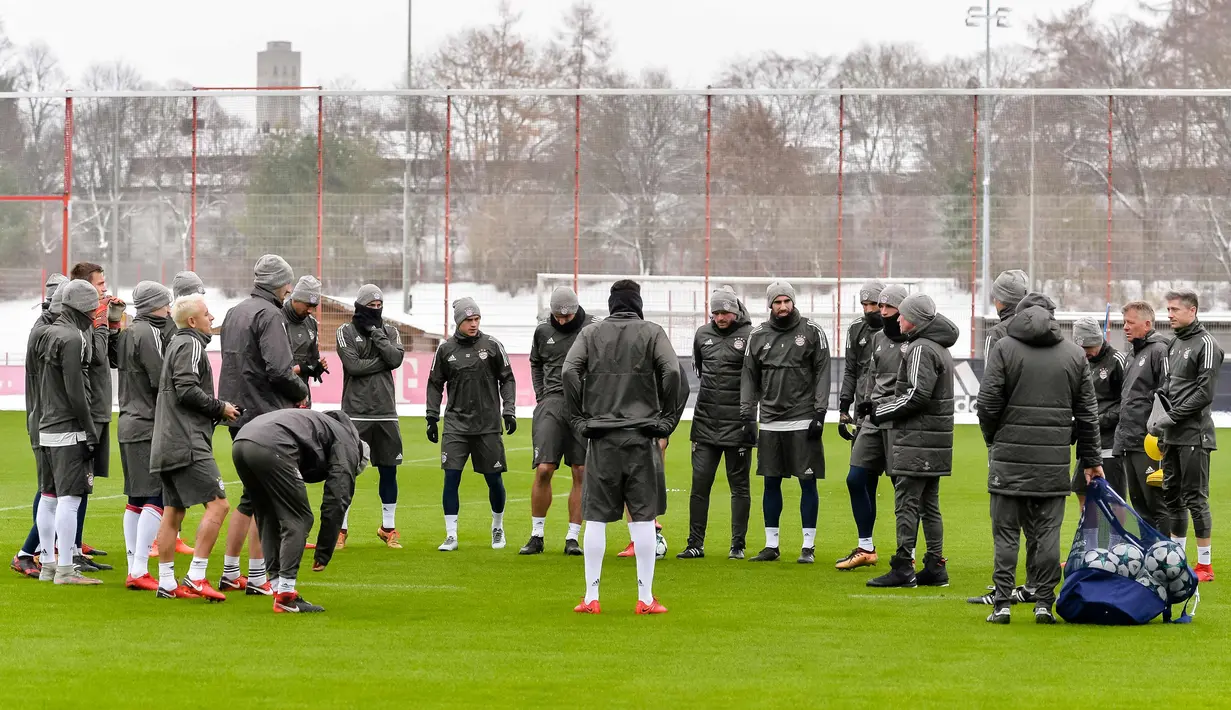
709	131
1110	128
841	157
974	222
448	180
576	190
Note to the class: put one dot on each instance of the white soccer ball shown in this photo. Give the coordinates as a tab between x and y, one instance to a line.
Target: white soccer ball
1148	582
1165	562
1129	557
660	546
1100	559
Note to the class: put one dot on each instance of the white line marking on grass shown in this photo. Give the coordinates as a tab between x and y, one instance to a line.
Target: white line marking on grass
29	505
360	585
905	597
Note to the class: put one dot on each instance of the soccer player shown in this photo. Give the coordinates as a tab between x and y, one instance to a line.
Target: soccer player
856	376
1008	290
181	450
1107	374
25	561
921	415
873	444
370	351
302	329
275	455
1036	395
621	385
1144	374
717	432
140	369
475	369
553	435
1186	430
258	376
786	376
67	433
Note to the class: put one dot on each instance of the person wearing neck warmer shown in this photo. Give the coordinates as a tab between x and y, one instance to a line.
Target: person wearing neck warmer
873	442
856	382
68	434
553	435
140	367
786	377
371	352
1186	430
1035	401
717	432
921	415
258	376
303	330
1008	290
1144	374
622	387
1107	373
474	368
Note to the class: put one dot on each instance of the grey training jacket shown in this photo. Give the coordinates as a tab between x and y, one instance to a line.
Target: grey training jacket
304	336
718	360
187	411
922	409
786	374
34	363
548	348
139	360
368	389
1194	360
66	349
479	380
1144	374
256	359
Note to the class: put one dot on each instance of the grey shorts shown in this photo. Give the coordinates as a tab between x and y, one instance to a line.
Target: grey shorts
46	484
138	481
624	470
71	473
197	483
554	438
486	452
1113	471
789	454
385	440
872	449
101	468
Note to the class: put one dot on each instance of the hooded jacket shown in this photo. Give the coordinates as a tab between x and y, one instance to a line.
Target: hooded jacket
883	368
1144	374
256	359
622	373
479	379
998	331
139	359
548	348
1194	360
304	335
1107	375
857	381
187	411
786	374
718	360
34	364
368	389
104	356
66	349
921	411
1035	395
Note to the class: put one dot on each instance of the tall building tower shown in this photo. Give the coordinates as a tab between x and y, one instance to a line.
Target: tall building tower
278	65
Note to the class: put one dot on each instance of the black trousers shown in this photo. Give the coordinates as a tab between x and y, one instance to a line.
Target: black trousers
705	458
279	505
1040	519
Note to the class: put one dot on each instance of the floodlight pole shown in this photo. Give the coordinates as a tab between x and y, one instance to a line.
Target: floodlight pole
1000	16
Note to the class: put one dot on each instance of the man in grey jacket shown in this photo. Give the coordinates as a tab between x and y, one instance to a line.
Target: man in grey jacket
370	352
922	450
258	375
303	331
1008	290
68	435
139	359
182	449
1107	374
1144	374
553	435
621	385
786	377
717	432
1035	396
275	455
1186	430
475	370
856	382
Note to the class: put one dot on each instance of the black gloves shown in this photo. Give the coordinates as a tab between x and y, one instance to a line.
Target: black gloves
510	424
846	431
433	432
657	430
86	450
816	426
590	432
750	432
844	406
865	408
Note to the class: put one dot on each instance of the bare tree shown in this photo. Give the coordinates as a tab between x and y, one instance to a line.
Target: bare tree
582	47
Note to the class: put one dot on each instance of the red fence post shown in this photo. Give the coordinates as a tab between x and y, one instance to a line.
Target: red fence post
709	130
576	190
841	159
974	220
448	179
68	183
1110	121
192	209
320	186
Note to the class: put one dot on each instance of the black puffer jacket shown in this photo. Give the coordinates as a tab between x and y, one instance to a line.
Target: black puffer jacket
718	359
922	411
1035	395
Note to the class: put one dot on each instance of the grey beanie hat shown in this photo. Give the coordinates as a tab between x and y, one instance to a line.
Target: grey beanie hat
724	300
564	301
57	302
54	281
368	293
870	292
149	296
464	308
776	289
1010	287
893	295
272	271
80	296
307	290
187	283
919	309
1087	333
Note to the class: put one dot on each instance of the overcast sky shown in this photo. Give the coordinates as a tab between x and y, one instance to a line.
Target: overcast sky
215	42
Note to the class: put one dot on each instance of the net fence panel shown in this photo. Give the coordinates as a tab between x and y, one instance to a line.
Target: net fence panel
30	237
32	146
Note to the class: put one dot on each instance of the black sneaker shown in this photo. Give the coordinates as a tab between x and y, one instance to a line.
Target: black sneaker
807	556
533	547
769	554
934	573
901	575
988	599
294	604
691	553
1042	615
85	564
999	616
572	548
736	553
1018	596
1021	595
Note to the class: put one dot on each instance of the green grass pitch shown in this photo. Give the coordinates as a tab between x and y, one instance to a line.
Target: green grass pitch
480	627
